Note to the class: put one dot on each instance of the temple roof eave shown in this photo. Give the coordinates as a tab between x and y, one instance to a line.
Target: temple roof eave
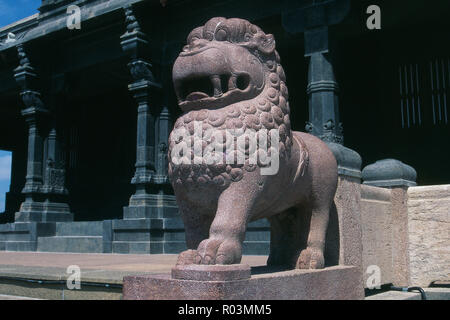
32	27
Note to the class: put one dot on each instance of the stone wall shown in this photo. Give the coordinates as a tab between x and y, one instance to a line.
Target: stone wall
429	234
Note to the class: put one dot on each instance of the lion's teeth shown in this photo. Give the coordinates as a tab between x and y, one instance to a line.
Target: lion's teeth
217	86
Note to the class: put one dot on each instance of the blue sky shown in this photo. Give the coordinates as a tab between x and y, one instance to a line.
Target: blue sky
13	10
5	175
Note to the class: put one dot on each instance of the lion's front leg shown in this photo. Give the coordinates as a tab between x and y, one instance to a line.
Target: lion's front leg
227	232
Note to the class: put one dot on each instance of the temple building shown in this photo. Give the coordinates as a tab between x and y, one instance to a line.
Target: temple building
87	105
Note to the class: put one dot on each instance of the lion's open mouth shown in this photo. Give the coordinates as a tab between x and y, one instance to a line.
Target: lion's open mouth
199	87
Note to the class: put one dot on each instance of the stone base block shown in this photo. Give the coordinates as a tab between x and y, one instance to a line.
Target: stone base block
42	217
34	211
23	236
148	206
334	283
199	272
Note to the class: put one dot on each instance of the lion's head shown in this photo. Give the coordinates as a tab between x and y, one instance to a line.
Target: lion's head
229	76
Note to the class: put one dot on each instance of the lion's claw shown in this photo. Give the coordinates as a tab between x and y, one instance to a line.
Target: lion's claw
186	257
218	251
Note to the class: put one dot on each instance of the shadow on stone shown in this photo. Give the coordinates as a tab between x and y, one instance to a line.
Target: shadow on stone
332	244
268	269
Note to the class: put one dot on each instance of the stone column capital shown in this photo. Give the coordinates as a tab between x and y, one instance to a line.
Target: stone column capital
389	173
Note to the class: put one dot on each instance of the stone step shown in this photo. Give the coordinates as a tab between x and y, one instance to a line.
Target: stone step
431	294
40	288
76	244
85	228
8	297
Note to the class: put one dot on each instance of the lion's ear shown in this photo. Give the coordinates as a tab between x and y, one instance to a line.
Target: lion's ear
267	44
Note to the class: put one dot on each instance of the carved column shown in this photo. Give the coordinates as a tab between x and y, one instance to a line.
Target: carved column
163	131
313	18
33	112
55	165
323	100
151	144
145	142
37	207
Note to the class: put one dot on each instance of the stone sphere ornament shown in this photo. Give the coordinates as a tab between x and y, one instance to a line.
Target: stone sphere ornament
233	158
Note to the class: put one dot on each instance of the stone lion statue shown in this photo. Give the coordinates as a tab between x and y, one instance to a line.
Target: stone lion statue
228	78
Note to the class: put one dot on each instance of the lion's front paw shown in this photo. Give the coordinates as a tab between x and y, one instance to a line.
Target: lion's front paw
311	258
219	251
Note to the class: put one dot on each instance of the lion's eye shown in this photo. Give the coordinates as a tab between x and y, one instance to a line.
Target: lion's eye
221	35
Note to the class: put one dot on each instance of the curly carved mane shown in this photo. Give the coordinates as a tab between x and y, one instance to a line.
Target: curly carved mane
269	110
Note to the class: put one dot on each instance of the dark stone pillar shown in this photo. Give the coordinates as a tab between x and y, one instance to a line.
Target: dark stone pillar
150	199
150	222
144	145
144	202
313	18
163	129
323	100
34	178
45	173
145	142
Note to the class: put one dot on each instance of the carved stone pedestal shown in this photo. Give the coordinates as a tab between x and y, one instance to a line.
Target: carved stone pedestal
236	282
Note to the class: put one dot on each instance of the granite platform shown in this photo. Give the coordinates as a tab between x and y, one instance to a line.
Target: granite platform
42	275
262	283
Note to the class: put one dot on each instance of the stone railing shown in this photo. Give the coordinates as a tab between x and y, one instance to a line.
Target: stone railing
405	228
376	221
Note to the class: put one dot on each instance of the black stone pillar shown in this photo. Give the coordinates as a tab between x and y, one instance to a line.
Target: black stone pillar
149	200
313	18
34	178
55	172
163	130
145	141
323	100
45	177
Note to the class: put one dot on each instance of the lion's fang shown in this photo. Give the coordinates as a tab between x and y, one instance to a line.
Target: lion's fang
232	83
217	85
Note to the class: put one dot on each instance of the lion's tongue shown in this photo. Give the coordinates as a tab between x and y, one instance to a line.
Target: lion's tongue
196	96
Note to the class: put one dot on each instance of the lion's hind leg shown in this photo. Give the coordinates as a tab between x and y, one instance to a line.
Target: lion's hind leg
288	237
